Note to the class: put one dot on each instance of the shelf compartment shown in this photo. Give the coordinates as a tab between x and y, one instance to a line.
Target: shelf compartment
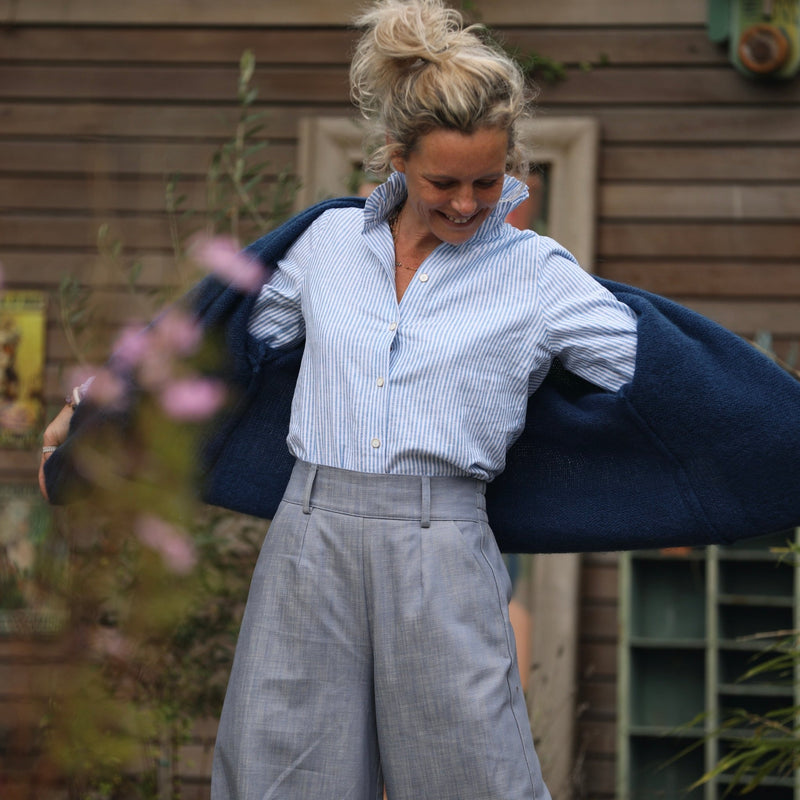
760	705
657	699
766	579
737	621
670	600
661	770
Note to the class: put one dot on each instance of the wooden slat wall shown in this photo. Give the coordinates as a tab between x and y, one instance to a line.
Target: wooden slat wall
698	185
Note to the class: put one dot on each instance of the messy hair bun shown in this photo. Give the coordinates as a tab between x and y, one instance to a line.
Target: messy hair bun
417	68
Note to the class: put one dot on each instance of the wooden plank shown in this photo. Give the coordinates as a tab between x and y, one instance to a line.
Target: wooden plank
80	232
694	240
752	279
166	46
46	268
598	620
781	318
104	195
606	46
598	772
170	121
600	559
99	194
180	84
742	125
700	162
598	659
179	12
612	46
311	83
597	697
656	86
693	201
599	582
323	12
142	159
18	465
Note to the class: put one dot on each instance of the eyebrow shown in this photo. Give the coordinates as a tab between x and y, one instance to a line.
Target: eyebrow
493	175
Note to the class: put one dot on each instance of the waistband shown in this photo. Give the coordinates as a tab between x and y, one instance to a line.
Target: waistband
402	497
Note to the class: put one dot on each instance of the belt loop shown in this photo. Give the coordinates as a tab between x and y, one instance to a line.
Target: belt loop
425	515
312	473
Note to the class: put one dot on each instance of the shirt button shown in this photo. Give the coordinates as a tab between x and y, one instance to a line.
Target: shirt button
424	277
393	326
380	381
376	443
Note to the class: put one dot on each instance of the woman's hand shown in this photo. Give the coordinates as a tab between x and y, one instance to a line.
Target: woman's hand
55	433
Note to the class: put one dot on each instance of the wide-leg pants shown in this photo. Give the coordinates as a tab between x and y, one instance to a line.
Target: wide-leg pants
376	646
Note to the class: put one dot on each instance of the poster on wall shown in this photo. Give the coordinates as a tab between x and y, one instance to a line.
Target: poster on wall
22	344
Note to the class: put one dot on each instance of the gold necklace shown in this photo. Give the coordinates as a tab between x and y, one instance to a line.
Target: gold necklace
393	219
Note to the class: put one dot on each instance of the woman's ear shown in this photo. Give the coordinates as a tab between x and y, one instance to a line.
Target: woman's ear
397	161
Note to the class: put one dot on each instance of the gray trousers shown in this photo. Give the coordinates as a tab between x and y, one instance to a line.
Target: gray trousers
376	646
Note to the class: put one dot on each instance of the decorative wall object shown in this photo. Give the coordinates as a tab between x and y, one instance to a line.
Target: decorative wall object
763	35
22	331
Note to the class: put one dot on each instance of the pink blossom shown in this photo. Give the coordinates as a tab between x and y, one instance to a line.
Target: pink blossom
132	346
178	332
192	398
173	544
222	256
156	369
107	389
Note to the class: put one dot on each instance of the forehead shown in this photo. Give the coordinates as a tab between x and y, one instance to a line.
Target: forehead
444	152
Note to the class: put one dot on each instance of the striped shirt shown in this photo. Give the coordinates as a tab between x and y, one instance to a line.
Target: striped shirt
438	383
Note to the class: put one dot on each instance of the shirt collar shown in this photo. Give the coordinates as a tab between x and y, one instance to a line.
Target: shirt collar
393	191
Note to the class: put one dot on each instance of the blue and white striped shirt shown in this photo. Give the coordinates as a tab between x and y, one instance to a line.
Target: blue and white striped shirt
438	383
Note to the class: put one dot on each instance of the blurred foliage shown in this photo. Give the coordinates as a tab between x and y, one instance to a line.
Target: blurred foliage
145	584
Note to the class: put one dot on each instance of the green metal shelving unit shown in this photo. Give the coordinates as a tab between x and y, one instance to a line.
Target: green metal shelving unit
688	625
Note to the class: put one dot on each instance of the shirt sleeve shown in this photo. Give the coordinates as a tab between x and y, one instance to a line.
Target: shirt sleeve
589	330
277	315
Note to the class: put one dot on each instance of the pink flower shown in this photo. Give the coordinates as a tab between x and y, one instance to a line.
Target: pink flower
222	256
107	389
192	399
178	333
173	544
80	376
132	345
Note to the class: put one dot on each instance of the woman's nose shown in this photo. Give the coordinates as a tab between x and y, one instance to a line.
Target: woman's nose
464	202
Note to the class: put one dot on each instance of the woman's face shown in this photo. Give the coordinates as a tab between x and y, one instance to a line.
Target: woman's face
454	181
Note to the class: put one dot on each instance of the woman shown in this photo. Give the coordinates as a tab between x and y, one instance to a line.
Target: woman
376	642
376	645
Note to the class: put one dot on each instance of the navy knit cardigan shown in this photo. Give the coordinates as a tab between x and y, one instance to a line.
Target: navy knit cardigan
702	447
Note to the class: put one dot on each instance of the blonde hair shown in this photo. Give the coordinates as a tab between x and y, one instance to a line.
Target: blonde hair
417	68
